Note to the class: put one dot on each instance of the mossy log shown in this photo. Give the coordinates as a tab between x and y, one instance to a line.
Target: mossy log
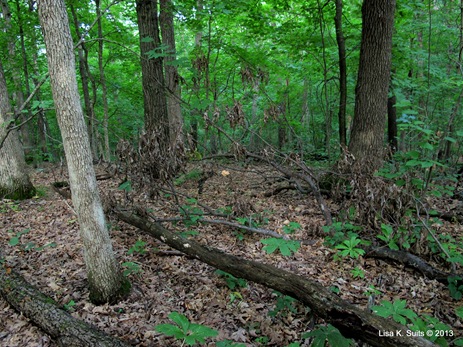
43	311
351	321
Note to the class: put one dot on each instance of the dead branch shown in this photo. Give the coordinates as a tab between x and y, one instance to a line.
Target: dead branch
411	261
43	311
352	321
228	223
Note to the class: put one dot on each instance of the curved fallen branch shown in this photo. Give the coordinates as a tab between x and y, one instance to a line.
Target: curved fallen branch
412	261
351	321
66	330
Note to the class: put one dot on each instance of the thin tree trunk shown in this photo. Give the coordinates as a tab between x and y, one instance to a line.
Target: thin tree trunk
342	75
17	94
14	179
172	77
392	123
104	95
84	75
106	282
328	117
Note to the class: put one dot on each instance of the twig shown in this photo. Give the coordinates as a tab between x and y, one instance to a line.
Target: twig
224	222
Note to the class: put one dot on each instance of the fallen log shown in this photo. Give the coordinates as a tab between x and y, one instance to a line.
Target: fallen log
351	321
411	261
66	330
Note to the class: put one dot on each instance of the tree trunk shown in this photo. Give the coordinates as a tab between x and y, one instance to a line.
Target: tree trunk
84	75
104	92
172	77
351	321
342	75
154	94
17	94
392	123
106	282
367	137
66	330
14	179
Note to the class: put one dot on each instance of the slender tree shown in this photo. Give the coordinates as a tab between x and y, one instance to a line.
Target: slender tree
342	75
14	179
367	137
154	92
85	81
18	93
106	282
104	89
172	77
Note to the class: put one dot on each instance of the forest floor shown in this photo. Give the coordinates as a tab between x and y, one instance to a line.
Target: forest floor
49	255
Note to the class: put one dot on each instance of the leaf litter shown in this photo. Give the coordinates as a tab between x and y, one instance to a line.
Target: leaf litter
49	256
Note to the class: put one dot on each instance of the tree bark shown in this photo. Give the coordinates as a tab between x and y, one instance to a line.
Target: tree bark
14	179
66	330
106	282
367	137
342	75
172	77
17	94
84	75
392	123
351	321
104	89
154	93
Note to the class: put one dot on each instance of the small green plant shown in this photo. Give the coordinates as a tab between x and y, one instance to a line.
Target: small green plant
193	175
126	186
29	246
396	310
455	287
69	306
262	340
232	281
284	305
183	329
15	240
191	212
254	221
372	291
138	247
40	192
235	296
433	329
131	268
327	333
387	235
348	248
291	227
339	232
286	247
357	272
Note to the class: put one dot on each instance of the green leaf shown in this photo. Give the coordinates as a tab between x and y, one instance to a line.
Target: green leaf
286	247
14	241
459	311
181	320
125	186
170	330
